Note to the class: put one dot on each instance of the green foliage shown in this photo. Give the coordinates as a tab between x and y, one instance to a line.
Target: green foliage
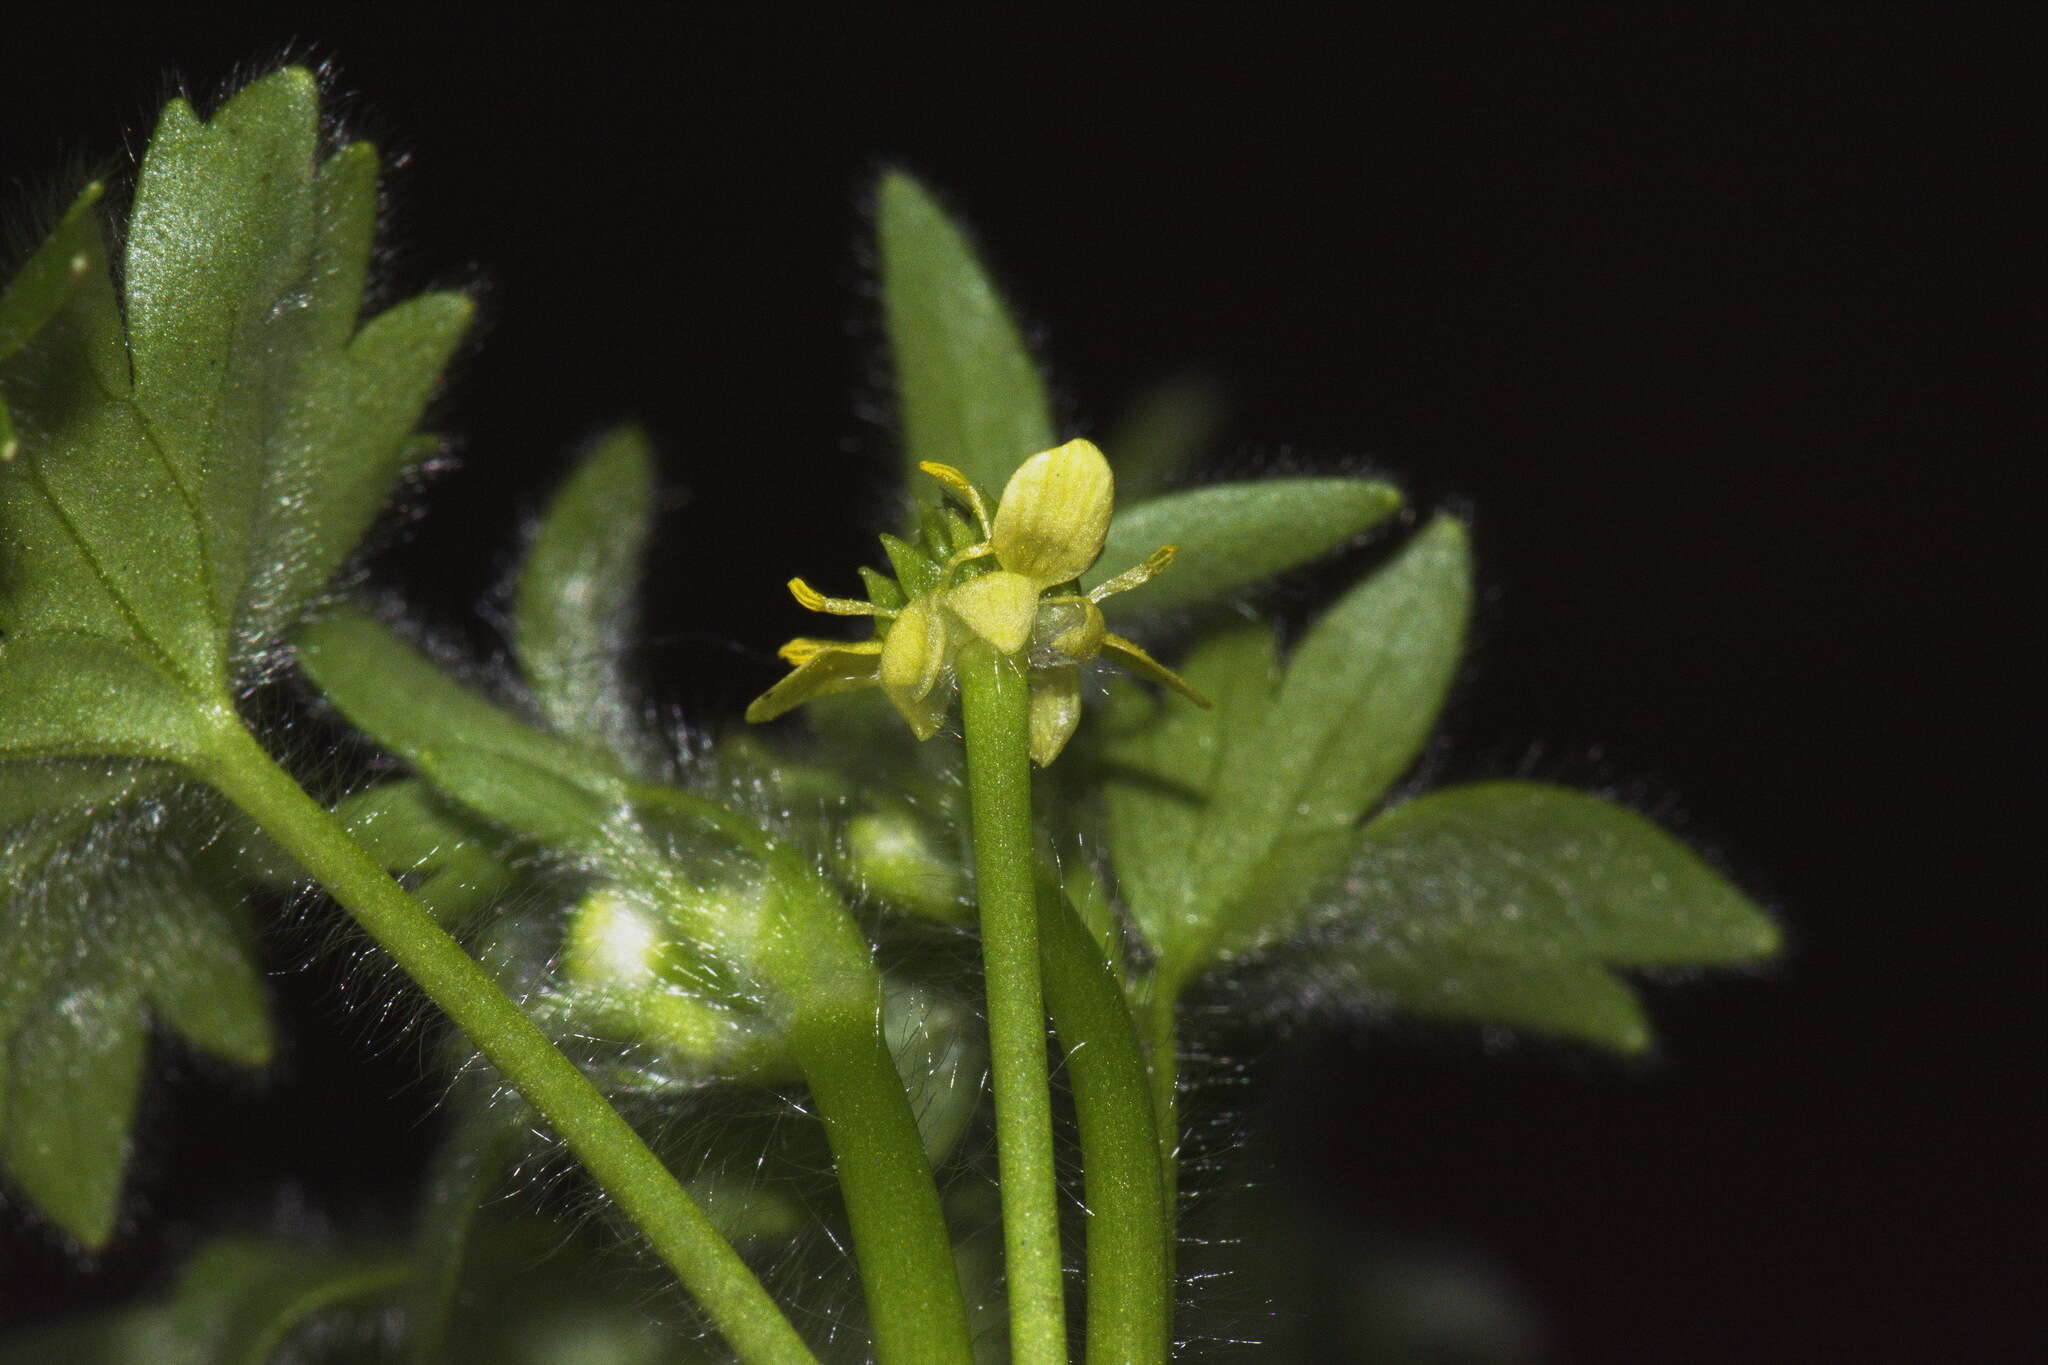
1221	822
237	1302
1235	536
573	617
1507	902
194	458
968	391
192	445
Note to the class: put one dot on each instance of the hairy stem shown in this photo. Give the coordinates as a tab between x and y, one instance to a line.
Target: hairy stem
821	960
1162	1045
996	709
1130	1266
616	1157
899	1230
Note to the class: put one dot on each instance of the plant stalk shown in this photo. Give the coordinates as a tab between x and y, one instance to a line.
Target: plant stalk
616	1157
821	962
1130	1264
995	707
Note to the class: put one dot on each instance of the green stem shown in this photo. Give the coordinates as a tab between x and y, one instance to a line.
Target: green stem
995	706
821	962
616	1157
1162	1046
1129	1258
899	1229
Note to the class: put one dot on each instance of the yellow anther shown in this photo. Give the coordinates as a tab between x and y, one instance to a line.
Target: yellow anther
810	599
957	484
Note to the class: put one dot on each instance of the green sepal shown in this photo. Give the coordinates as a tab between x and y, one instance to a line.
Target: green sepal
574	611
1233	536
884	591
914	568
969	394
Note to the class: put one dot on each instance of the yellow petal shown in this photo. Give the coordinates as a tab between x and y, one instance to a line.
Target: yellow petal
823	669
1054	514
999	607
1055	711
913	659
1149	668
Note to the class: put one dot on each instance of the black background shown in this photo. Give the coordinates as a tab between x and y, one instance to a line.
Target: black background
1713	324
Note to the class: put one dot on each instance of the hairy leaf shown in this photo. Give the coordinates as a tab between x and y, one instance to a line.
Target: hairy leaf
1233	535
968	391
1225	822
200	440
74	1070
558	793
1507	902
575	607
1523	867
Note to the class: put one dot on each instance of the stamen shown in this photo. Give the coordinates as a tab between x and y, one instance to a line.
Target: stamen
1136	576
810	599
957	484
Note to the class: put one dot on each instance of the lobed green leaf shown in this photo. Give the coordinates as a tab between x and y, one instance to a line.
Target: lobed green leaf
1224	823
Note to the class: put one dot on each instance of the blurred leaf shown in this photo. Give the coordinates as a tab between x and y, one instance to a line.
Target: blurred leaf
969	393
575	607
1507	903
82	952
1223	823
74	1070
236	1303
560	794
1522	867
1160	436
1521	988
470	1165
189	944
1234	535
42	286
199	453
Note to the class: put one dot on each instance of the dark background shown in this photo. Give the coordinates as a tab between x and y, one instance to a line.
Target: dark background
1715	327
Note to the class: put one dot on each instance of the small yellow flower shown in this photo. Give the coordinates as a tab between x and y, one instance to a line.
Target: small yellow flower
1013	587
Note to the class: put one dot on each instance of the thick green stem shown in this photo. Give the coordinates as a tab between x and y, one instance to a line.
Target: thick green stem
616	1157
1129	1261
995	705
899	1229
1162	1051
821	961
